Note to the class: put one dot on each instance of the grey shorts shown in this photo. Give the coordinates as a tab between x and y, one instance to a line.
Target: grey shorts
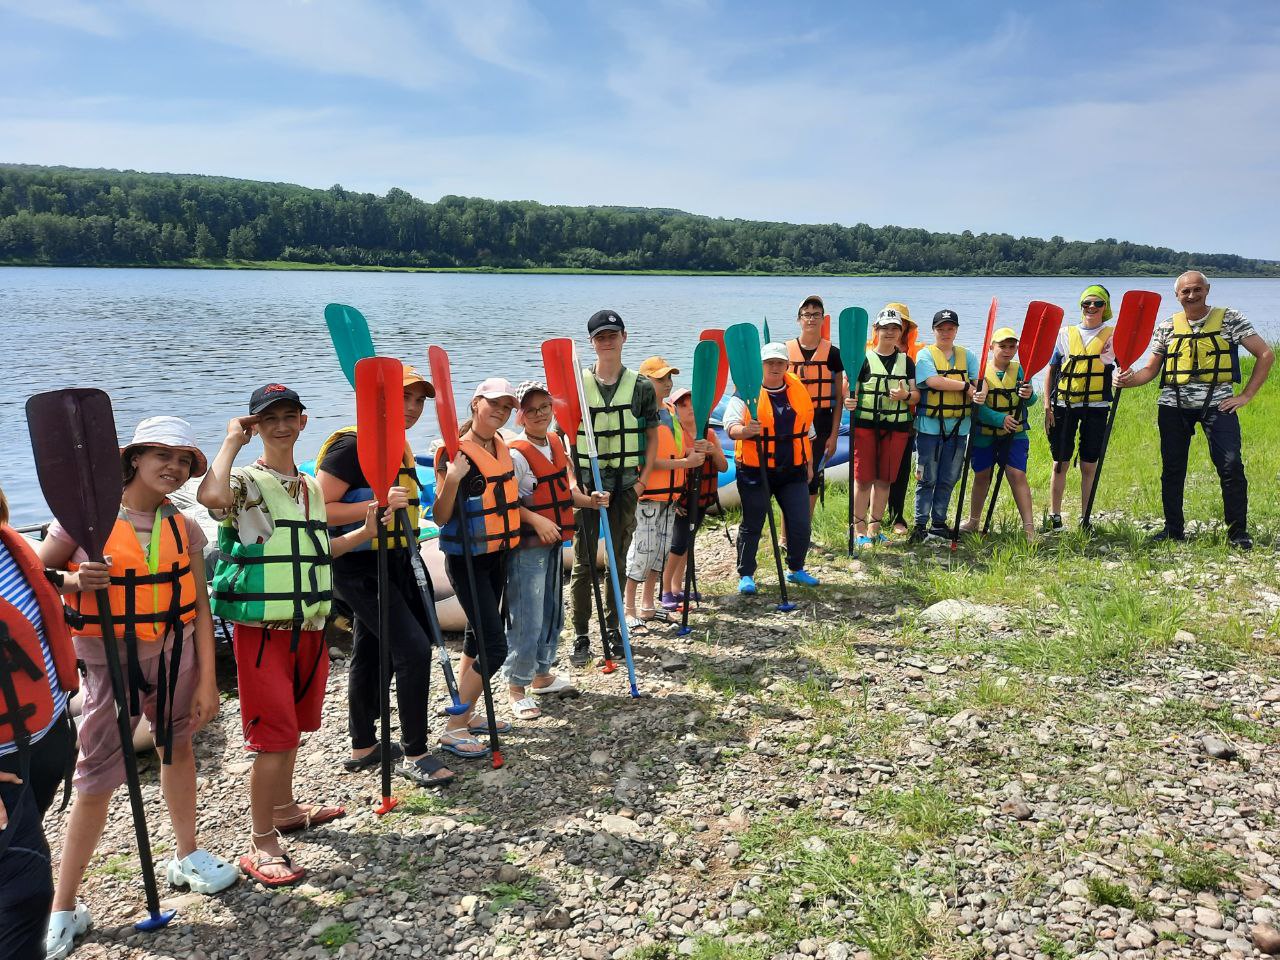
652	538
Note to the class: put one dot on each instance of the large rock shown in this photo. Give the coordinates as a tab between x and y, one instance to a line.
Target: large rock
954	613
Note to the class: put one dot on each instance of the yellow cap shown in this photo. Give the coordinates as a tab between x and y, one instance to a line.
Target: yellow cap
1003	334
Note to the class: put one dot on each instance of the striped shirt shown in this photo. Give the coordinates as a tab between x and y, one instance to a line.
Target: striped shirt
15	590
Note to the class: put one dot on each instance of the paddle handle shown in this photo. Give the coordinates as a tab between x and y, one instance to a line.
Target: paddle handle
594	574
384	669
119	692
468	559
773	527
403	526
607	533
1087	512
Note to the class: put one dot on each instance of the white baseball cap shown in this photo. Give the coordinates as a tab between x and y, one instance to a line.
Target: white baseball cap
494	389
774	351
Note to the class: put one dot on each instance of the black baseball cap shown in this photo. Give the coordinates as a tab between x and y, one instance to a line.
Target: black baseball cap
946	316
604	320
272	393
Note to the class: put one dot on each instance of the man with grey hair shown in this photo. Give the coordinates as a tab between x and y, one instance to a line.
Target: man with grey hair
1196	352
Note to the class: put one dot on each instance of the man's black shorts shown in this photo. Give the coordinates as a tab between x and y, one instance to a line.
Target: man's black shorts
1092	425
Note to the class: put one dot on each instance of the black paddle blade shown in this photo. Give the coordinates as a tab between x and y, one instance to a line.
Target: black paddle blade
77	452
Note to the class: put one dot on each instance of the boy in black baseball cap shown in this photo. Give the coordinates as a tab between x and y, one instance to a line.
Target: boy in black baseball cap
271	537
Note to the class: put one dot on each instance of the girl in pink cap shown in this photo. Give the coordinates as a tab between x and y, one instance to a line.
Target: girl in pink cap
155	579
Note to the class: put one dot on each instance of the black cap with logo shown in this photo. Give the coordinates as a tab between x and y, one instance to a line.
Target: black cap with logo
946	316
603	321
264	397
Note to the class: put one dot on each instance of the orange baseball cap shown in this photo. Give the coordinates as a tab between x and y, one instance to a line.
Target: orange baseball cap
412	376
655	368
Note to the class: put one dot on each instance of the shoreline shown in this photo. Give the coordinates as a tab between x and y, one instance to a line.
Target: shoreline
289	265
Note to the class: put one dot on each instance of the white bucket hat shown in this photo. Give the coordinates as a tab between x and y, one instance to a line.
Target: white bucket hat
774	351
172	432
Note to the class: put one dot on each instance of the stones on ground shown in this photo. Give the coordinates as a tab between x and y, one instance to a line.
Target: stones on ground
1218	748
953	613
1266	938
1016	809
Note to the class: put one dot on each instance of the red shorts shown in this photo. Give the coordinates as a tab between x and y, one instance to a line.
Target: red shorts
877	454
281	691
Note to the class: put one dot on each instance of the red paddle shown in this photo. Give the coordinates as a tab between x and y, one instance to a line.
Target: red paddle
1132	336
826	326
968	447
722	374
447	415
380	447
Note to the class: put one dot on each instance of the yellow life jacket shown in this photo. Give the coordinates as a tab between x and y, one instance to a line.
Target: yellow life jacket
1002	394
1204	357
408	478
949	404
874	402
1084	378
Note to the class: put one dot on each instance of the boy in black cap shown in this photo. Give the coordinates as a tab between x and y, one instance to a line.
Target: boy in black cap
624	415
272	537
944	371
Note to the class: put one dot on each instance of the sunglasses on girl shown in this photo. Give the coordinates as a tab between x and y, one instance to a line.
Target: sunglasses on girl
1093	304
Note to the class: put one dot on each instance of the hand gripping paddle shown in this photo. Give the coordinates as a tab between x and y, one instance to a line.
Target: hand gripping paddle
605	532
743	346
706	372
1132	336
380	447
73	438
557	363
349	332
973	425
853	323
447	415
1035	347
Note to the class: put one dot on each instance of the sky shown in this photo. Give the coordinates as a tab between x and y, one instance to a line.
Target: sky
1156	122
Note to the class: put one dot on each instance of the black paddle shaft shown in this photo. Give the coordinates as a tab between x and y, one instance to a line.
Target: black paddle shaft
606	648
691	518
768	509
384	658
1087	512
428	603
483	654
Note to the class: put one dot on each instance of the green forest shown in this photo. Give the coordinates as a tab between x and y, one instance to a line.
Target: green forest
67	216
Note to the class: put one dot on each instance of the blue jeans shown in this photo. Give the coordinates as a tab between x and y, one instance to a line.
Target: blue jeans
939	461
535	577
790	487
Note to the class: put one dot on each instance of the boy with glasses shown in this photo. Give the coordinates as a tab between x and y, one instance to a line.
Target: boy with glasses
816	361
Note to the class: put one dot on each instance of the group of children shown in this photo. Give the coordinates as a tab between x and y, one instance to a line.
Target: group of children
290	543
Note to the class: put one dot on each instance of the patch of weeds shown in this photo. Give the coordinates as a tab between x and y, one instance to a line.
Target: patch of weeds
1197	870
717	676
1105	893
653	951
925	813
1051	946
717	948
118	865
506	895
1226	721
420	804
336	935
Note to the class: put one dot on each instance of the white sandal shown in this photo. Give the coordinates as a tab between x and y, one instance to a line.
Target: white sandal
64	927
526	708
559	687
202	872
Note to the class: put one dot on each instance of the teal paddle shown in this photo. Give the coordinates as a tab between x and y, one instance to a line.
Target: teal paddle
349	332
742	344
853	325
706	375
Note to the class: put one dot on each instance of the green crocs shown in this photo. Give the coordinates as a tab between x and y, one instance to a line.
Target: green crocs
202	872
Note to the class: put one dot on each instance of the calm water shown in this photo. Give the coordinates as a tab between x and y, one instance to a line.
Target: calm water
196	343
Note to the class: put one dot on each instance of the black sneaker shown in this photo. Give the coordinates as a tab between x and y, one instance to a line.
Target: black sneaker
1243	543
1166	535
581	655
918	535
1055	522
940	531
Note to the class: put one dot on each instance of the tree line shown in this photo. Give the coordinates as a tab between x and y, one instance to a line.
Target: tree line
67	216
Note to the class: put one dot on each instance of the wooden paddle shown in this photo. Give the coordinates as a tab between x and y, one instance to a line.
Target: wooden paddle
557	364
973	425
74	440
447	416
1134	326
380	447
743	346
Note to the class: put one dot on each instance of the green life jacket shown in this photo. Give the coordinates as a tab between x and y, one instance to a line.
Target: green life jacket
288	578
874	402
620	435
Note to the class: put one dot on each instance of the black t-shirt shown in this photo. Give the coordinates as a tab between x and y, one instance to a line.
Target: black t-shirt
834	363
342	460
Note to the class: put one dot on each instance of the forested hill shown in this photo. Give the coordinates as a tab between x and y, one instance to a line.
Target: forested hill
61	215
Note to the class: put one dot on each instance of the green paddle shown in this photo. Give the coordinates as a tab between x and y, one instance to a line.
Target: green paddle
853	353
350	334
767	337
706	370
742	344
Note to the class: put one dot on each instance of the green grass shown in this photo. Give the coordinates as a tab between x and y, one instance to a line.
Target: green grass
336	934
116	865
1106	893
506	895
924	814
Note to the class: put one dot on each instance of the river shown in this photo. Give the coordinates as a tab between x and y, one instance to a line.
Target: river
196	343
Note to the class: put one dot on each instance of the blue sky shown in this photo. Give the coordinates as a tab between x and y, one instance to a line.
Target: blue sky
1152	122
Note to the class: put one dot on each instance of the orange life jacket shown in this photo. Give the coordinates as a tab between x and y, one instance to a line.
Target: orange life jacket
814	373
665	485
26	700
493	516
746	452
708	476
552	496
145	606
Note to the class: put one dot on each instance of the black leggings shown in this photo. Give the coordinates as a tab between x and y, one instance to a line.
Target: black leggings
491	578
355	581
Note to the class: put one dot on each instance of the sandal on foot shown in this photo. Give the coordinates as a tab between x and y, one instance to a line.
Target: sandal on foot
253	862
64	927
634	622
653	613
425	772
371	759
312	815
483	728
559	687
452	741
526	708
202	872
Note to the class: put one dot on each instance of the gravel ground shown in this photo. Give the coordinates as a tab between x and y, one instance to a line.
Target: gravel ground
739	809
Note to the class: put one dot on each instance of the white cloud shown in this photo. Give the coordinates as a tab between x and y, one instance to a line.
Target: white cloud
75	14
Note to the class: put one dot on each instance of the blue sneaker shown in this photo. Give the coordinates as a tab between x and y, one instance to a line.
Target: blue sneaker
747	586
866	541
802	578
